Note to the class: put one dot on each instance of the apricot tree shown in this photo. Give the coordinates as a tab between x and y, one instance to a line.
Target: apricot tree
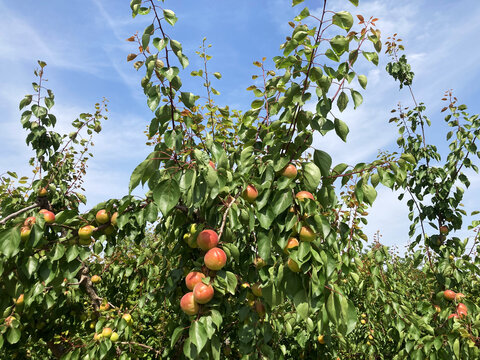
248	242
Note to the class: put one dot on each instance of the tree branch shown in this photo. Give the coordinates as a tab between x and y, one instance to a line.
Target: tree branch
157	352
87	284
19	212
225	214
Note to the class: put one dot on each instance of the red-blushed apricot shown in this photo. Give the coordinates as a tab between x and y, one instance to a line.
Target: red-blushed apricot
113	219
188	304
48	216
85	232
259	262
459	296
207	239
462	310
29	221
291	243
193	278
212	164
25	233
290	171
307	234
302	195
462	306
455	316
107	332
449	295
215	259
20	300
102	217
260	308
250	193
292	265
127	317
203	293
256	289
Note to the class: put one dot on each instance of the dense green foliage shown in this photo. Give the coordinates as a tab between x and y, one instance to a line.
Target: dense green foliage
331	296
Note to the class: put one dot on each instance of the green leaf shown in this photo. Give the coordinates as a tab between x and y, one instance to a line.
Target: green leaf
371	56
303	14
357	98
256	104
166	195
296	2
160	43
72	253
170	16
31	266
362	80
25	102
58	252
146	35
176	335
339	44
354	2
343	19
342	101
13	335
312	176
369	193
264	244
456	348
198	335
9	241
341	129
144	170
216	318
137	175
408	157
323	161
176	46
302	310
231	282
171	73
349	314
332	312
332	55
281	202
188	99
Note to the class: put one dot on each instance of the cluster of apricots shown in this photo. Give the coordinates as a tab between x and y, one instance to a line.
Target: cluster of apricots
108	333
214	259
48	217
451	295
305	234
84	233
102	218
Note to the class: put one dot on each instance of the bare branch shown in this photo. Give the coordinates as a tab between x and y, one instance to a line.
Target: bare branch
19	212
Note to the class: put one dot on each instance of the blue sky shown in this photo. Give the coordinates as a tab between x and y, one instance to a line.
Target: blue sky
84	44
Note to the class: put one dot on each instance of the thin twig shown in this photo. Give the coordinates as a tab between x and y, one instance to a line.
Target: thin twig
157	352
225	214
